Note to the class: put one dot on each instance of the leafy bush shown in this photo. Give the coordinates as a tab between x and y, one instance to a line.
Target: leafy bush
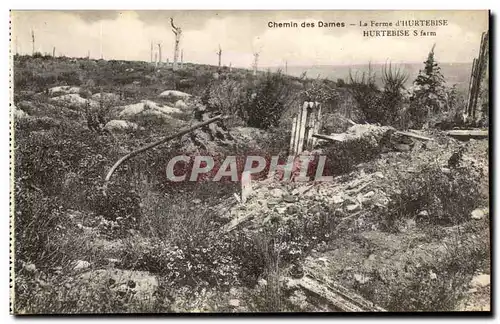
268	101
436	198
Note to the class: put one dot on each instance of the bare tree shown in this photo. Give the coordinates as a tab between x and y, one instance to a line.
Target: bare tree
219	53
159	54
151	52
177	32
255	62
54	51
32	42
182	58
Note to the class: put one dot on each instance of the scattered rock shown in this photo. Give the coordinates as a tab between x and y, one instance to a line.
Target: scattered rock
120	125
369	194
477	214
276	193
174	93
432	275
472	290
480	281
18	113
445	170
423	213
362	279
402	147
272	202
234	302
147	107
262	282
180	104
141	285
196	201
74	99
64	89
290	199
81	265
351	208
107	96
281	210
30	267
290	210
337	199
379	175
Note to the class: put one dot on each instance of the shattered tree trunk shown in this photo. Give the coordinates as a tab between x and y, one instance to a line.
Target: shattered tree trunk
32	42
255	63
159	55
177	32
182	59
479	79
151	53
219	53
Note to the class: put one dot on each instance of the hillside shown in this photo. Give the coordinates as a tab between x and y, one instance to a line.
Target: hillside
403	225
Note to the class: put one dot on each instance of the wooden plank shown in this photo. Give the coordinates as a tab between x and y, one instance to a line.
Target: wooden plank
420	137
331	138
337	296
317	125
302	130
292	138
471	85
465	133
297	132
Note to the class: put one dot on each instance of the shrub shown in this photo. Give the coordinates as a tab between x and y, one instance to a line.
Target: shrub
429	97
268	101
436	198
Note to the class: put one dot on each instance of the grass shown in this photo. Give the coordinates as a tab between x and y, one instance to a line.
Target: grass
173	230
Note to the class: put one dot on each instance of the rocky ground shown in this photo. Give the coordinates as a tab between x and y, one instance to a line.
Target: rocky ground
400	229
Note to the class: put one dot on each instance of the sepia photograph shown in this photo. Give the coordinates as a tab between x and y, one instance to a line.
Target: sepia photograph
249	161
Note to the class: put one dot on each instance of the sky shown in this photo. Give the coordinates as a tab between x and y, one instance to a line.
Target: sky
127	35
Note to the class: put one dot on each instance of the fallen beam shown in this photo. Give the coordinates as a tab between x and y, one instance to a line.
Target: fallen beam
337	296
413	135
465	133
150	146
331	138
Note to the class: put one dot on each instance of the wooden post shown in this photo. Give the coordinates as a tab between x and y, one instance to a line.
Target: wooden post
32	42
297	131
246	186
302	130
219	53
471	84
317	124
477	73
54	51
309	125
177	32
292	137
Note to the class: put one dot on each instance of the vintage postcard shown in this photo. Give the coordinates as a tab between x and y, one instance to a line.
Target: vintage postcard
249	161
